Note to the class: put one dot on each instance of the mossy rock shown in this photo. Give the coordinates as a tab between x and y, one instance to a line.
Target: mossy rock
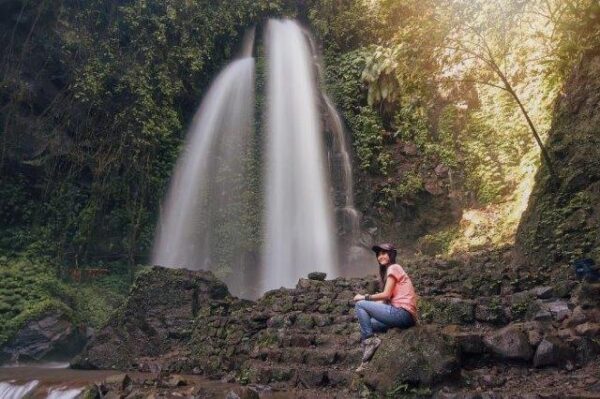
446	310
416	356
587	295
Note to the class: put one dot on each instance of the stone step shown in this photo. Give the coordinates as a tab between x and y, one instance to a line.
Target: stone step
297	375
291	337
310	356
310	320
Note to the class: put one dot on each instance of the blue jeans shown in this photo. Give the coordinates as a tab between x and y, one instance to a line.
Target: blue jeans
378	317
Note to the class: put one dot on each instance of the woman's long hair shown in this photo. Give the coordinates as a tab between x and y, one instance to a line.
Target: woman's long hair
383	269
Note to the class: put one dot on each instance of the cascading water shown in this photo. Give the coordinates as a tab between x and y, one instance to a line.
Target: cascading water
350	217
207	176
12	390
299	234
203	204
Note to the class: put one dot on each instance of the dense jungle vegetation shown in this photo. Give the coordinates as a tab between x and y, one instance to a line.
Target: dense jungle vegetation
446	103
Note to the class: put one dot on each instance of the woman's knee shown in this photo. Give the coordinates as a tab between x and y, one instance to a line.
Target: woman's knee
359	305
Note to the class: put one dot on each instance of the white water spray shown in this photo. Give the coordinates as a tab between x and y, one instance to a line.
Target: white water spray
299	234
217	137
12	390
350	217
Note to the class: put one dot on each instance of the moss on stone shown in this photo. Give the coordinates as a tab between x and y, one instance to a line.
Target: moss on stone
446	310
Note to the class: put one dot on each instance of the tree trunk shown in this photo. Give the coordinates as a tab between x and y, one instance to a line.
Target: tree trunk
545	155
508	87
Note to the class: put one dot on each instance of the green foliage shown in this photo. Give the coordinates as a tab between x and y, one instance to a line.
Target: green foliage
96	299
519	309
126	78
409	186
96	96
577	31
345	25
404	390
27	290
368	142
344	79
438	242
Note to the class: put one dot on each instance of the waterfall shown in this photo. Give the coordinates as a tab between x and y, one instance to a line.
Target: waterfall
207	175
209	223
299	235
350	217
11	390
64	393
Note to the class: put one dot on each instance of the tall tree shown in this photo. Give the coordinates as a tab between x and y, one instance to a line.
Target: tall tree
487	44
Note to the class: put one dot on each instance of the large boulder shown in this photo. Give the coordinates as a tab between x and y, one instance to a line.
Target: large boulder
157	319
419	355
510	343
52	333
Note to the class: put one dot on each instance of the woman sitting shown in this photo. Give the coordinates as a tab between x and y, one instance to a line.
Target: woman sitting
396	306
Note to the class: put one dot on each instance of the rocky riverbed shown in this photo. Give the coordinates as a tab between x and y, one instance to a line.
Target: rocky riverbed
490	325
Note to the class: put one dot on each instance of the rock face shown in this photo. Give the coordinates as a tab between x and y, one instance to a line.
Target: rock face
561	222
52	333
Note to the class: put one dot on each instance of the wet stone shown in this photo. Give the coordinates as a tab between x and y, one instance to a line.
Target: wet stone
322	320
550	352
242	393
320	358
305	321
543	315
469	342
577	317
121	381
534	337
509	343
588	329
338	377
312	378
489	310
293	356
564	333
175	381
559	309
318	276
543	292
420	355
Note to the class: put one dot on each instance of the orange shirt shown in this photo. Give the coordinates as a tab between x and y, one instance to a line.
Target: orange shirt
403	293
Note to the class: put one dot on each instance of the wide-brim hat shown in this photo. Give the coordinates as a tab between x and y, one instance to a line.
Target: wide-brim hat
386	246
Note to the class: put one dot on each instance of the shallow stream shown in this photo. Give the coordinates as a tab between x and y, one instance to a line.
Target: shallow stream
57	381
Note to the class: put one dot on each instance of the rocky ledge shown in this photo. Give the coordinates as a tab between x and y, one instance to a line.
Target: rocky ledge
51	335
501	332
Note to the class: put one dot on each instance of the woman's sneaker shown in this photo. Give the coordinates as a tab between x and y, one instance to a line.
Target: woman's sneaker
362	367
370	345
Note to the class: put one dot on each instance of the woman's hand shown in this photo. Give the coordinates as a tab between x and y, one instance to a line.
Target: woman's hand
358	297
380	296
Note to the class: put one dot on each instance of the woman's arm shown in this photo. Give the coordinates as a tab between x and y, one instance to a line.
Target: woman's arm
385	295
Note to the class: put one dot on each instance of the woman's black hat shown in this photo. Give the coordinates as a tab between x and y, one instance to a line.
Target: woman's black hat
388	247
